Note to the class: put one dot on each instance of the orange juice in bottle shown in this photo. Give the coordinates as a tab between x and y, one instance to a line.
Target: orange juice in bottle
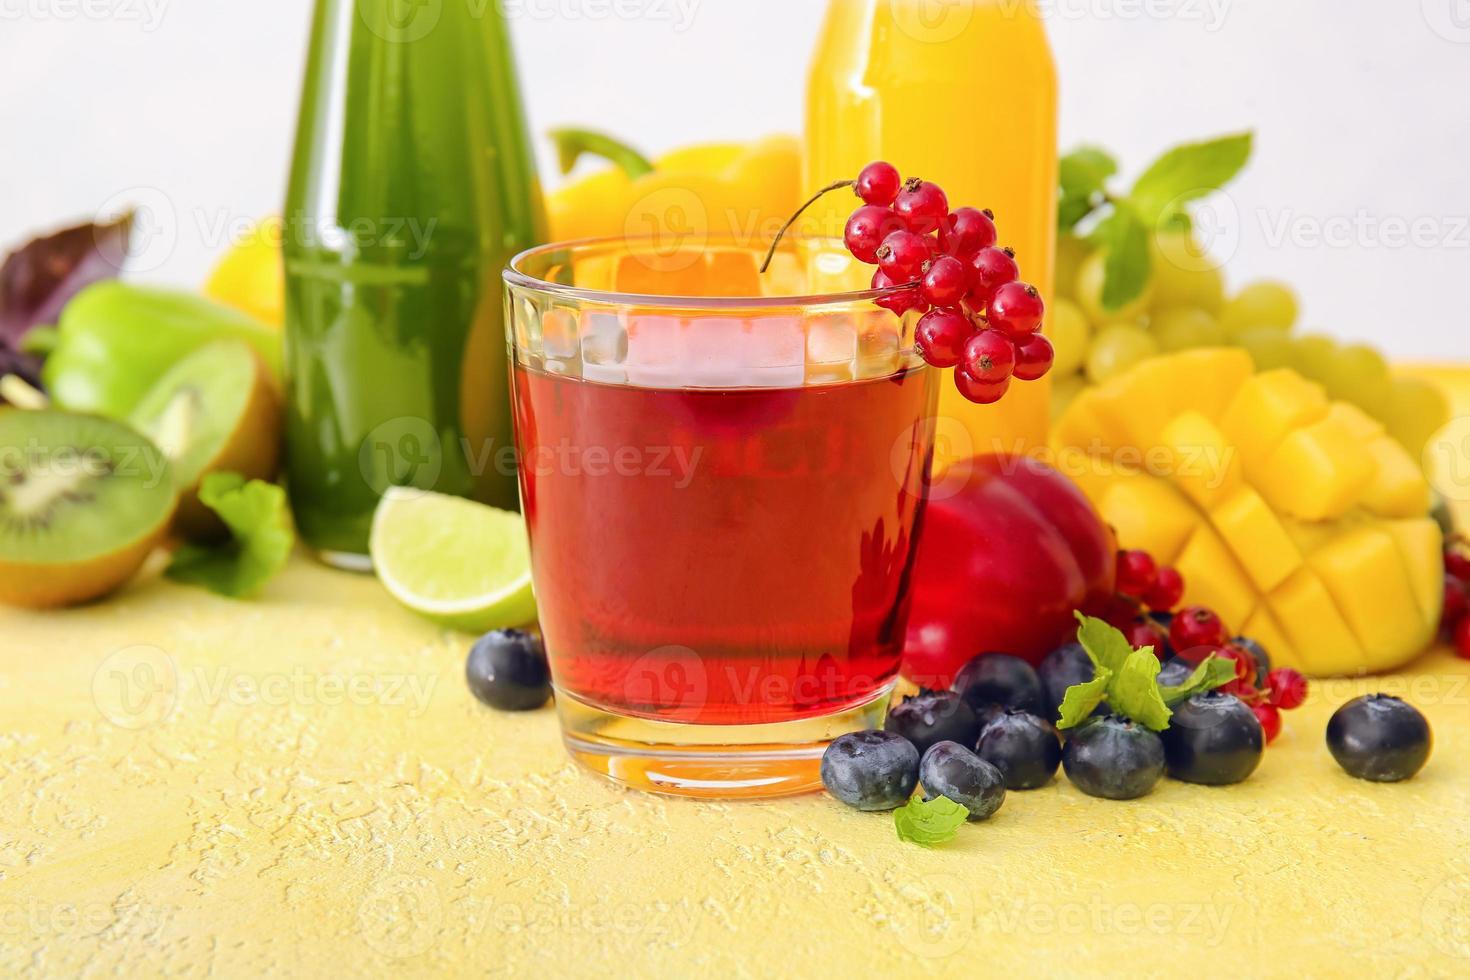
963	93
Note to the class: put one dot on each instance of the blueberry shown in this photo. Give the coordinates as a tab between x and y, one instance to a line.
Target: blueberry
999	678
987	713
1113	758
507	669
1263	659
871	770
1214	739
1066	665
953	771
1026	749
1176	671
1165	620
933	716
1379	737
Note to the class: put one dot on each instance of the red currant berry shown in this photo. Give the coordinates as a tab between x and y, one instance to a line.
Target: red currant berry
866	230
922	205
990	269
1144	632
1288	688
1034	357
1245	664
1016	308
1462	637
989	357
1137	573
1167	591
965	231
977	391
1241	689
1197	655
1457	562
1456	603
902	299
941	336
902	256
1270	720
878	184
1196	626
946	281
1119	612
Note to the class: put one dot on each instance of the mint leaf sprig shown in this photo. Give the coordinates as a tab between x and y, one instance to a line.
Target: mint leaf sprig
1127	679
930	824
259	522
1123	224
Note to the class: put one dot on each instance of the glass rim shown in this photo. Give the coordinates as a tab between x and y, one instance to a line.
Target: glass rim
513	275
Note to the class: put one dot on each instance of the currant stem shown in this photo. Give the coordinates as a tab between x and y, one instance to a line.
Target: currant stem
834	186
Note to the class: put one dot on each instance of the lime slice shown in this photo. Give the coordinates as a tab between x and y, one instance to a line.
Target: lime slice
458	562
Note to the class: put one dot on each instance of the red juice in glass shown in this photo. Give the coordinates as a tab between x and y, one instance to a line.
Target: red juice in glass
722	496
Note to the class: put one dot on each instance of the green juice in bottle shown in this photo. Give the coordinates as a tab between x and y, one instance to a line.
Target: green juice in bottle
413	182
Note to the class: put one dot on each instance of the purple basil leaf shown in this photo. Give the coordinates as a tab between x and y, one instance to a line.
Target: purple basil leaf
40	277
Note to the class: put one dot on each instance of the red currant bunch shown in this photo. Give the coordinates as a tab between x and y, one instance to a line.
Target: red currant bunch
1454	623
1145	591
1283	689
1145	609
976	316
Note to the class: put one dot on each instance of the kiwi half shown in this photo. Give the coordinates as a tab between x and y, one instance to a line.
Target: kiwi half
83	500
215	410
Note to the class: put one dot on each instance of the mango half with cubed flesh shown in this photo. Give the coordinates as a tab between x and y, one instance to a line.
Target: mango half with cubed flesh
1297	518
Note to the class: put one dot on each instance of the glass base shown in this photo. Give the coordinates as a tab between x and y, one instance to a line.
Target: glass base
346	560
718	762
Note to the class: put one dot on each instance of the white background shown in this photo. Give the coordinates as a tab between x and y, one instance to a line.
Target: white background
1362	109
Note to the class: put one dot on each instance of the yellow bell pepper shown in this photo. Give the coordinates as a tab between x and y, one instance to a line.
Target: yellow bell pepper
737	191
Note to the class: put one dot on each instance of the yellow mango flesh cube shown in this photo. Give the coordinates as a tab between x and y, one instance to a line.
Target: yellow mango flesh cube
1314	627
1421	546
1368	581
1317	473
1355	420
1093	476
1263	628
1266	408
1200	460
1081	429
1311	535
1398	487
1148	513
1138	403
1213	578
1205	380
1256	538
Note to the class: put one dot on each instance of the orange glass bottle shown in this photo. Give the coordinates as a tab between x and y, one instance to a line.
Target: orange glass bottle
963	93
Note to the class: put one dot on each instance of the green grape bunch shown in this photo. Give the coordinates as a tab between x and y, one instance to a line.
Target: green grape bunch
1135	281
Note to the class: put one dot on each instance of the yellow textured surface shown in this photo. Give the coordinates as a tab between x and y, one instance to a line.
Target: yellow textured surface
194	786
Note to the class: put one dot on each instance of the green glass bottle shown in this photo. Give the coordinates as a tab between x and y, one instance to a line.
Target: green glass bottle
413	182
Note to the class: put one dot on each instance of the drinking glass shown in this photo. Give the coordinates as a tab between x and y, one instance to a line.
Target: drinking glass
723	480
